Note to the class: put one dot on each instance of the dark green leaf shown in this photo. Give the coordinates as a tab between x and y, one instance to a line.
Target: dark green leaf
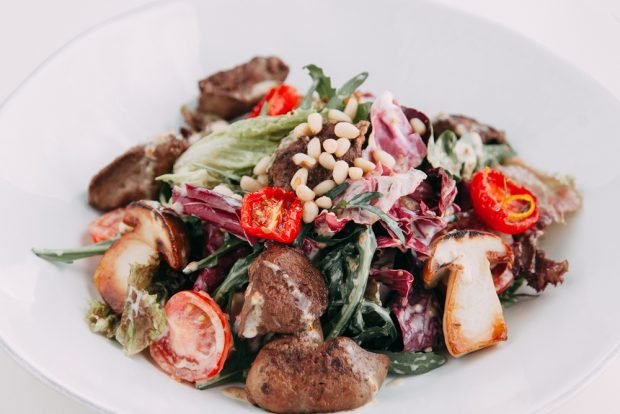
307	102
346	271
72	254
363	198
414	363
236	367
230	244
372	326
363	112
337	190
388	220
511	295
303	232
337	101
323	82
237	277
495	154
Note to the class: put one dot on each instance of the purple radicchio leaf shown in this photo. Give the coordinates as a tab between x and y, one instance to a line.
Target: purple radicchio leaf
212	207
393	133
419	318
399	280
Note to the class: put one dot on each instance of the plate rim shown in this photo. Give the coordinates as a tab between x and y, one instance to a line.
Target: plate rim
547	405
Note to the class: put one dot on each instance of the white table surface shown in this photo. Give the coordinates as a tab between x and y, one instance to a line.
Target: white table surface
583	32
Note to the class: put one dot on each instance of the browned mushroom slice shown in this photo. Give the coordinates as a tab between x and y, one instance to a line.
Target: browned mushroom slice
303	375
154	232
131	176
233	92
473	316
286	293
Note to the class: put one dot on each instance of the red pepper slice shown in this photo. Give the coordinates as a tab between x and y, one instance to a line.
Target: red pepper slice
280	100
502	204
272	213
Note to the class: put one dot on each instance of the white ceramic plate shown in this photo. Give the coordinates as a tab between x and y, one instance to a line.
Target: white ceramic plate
123	82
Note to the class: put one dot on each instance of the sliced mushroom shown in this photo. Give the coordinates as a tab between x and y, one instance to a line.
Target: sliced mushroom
131	176
473	316
154	231
305	375
286	293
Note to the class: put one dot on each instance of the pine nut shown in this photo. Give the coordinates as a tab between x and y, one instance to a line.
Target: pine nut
324	187
364	164
351	108
300	178
334	115
330	145
418	126
346	130
324	202
261	166
249	184
355	173
384	158
327	160
263	180
343	146
315	122
301	130
314	148
311	210
304	160
341	171
304	193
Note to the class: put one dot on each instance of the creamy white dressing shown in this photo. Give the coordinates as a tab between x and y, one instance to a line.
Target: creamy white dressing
253	318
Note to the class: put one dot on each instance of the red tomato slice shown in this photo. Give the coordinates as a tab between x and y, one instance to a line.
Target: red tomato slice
198	341
502	204
272	213
106	226
280	100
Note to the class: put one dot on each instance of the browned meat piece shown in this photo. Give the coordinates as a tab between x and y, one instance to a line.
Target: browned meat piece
301	375
286	293
233	92
283	168
131	176
460	124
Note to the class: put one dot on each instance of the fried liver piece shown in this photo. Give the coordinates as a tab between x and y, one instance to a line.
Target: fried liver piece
302	375
283	168
460	125
286	294
131	176
235	91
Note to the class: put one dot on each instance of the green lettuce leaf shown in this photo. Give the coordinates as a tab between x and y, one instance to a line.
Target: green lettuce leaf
232	152
143	320
461	157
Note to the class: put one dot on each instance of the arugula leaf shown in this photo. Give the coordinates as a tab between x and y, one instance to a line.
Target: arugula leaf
321	82
337	190
363	112
362	201
511	295
337	101
413	363
229	244
372	326
71	254
237	277
346	270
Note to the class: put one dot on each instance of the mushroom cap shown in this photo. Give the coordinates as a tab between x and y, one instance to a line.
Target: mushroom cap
155	231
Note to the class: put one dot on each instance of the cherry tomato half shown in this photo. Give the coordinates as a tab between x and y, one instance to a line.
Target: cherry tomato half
198	341
106	226
280	100
272	213
502	204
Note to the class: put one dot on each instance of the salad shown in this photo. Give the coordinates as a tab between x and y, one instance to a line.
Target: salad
308	244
